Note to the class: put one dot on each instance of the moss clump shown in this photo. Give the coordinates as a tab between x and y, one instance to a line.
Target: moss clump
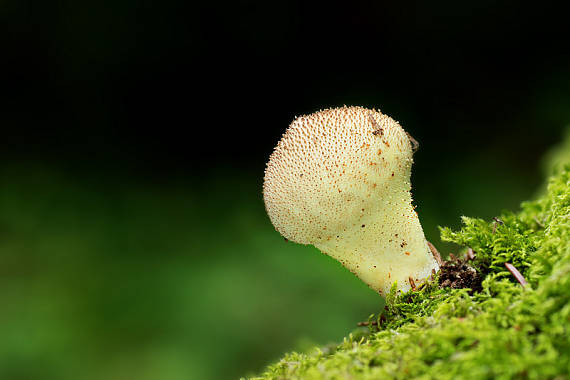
500	330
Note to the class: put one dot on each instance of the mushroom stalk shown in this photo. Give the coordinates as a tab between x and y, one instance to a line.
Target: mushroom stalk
339	179
389	246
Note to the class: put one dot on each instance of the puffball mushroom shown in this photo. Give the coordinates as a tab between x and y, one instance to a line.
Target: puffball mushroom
339	179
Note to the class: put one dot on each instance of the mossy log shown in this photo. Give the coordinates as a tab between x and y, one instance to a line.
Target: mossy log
512	322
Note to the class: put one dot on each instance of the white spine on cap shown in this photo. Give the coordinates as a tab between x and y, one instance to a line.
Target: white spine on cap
340	179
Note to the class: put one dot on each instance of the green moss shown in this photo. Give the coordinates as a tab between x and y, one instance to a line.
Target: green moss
503	331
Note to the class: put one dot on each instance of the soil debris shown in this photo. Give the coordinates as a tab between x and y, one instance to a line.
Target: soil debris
457	274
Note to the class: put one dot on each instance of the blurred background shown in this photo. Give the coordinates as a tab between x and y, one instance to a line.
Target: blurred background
134	133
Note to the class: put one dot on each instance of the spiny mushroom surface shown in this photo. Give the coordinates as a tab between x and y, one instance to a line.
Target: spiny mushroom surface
339	179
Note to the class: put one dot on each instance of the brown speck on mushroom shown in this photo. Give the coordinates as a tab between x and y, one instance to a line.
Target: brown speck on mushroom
376	128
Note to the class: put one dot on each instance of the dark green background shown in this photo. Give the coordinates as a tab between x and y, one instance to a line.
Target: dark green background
133	238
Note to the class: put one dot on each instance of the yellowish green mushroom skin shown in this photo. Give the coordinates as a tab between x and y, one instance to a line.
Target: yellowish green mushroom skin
339	179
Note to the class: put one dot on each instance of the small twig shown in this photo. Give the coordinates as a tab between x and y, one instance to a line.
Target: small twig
452	257
435	253
412	283
497	220
516	274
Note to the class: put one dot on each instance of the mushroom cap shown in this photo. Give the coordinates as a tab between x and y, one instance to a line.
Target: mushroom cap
331	169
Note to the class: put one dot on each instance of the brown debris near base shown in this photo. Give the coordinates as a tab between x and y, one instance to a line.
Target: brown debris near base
457	274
